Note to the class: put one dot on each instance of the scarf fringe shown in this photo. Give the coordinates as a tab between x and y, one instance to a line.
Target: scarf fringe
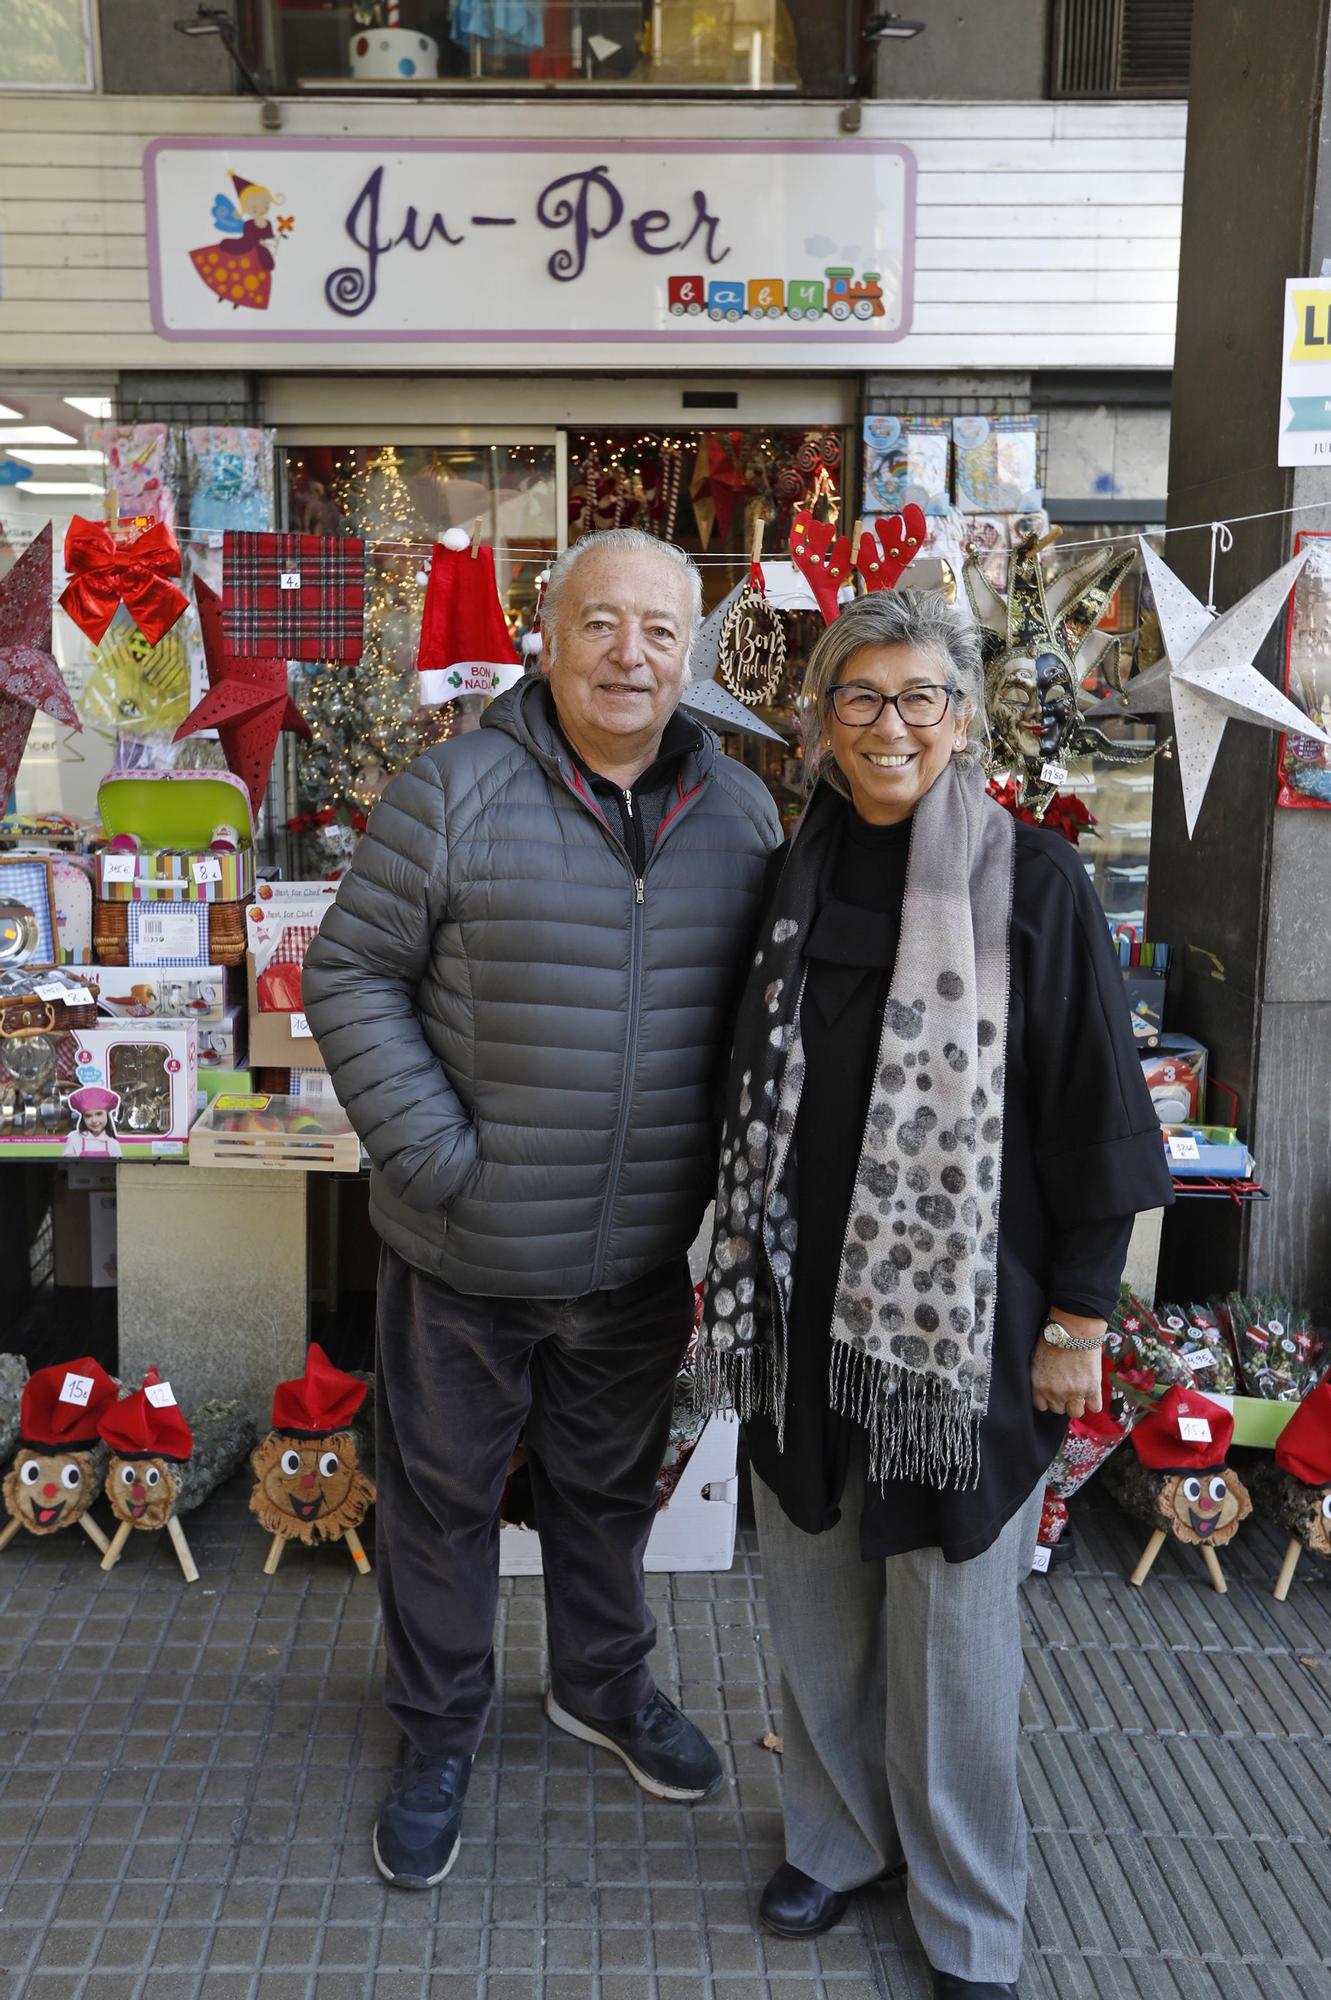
748	1381
918	1428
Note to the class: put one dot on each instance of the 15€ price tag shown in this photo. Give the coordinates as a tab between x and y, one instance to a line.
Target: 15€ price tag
301	1029
1194	1430
75	1389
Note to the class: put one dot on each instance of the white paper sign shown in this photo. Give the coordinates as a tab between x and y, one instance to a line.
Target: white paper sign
1184	1147
290	579
1053	774
119	867
75	1389
207	868
1040	1560
1194	1430
1199	1357
300	1028
161	1395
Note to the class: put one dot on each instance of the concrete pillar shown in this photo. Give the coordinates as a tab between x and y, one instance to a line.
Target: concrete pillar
1246	900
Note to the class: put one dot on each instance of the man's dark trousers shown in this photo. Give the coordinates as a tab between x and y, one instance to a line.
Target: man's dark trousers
591	1380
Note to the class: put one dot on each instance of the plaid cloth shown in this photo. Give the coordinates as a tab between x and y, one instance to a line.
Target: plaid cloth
320	616
144	918
29	883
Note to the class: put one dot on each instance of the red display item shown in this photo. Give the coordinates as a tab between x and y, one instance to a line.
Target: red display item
321	1400
293	597
140	1427
1303	1448
822	557
107	569
1159	1441
63	1405
29	677
889	546
465	644
247	704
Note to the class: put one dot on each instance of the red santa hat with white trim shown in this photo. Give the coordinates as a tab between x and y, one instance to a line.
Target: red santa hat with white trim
465	645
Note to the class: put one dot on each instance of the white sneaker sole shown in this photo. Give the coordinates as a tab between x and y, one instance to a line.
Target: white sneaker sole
411	1881
585	1733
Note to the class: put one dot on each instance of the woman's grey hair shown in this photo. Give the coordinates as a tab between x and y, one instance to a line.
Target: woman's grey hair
626	540
921	619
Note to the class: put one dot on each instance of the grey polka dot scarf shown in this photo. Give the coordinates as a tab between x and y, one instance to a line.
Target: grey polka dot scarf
913	1325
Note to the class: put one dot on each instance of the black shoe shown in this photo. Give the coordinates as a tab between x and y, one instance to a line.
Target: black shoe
418	1832
667	1754
948	1987
793	1905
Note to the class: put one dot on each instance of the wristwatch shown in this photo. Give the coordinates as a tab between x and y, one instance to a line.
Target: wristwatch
1055	1334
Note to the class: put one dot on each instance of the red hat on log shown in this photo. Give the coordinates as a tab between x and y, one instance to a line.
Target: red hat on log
63	1405
1303	1448
148	1424
321	1400
1165	1441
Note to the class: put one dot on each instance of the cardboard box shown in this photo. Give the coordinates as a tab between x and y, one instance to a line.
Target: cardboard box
1175	1074
145	1065
233	1082
223	1044
278	1041
83	1221
696	1531
202	993
1257	1421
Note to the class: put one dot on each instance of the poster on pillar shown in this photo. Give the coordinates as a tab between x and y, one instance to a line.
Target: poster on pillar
1305	374
762	251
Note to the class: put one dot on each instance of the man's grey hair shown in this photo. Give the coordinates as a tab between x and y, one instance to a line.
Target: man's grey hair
920	619
627	540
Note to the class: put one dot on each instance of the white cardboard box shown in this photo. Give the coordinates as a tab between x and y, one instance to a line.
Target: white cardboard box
695	1532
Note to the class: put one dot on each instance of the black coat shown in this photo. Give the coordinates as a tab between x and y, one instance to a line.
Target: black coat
1082	1153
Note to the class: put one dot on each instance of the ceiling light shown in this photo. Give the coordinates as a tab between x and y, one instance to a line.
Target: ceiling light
8	416
58	486
73	455
892	28
91	406
35	434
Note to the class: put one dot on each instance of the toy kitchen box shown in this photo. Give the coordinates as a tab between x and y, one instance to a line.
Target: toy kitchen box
123	1090
172	888
281	921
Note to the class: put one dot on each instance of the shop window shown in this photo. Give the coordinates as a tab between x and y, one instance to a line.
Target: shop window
47	45
366	721
1120	48
378	45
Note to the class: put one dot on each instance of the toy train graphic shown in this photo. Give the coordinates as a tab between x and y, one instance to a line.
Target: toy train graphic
773	298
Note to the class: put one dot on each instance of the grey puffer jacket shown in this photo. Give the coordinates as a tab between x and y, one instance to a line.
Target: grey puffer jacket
526	1037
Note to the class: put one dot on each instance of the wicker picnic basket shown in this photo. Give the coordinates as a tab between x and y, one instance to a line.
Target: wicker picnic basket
178	813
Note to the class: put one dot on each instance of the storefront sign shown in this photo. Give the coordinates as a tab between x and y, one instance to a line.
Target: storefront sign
667	242
1305	377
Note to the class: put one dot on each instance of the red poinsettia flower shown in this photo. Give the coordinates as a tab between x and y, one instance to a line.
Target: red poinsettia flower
1064	814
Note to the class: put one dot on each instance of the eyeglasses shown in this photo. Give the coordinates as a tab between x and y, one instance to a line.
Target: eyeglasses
857	705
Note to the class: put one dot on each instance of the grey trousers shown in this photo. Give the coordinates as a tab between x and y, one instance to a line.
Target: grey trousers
900	1685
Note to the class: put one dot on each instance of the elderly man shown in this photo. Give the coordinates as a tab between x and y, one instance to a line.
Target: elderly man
522	995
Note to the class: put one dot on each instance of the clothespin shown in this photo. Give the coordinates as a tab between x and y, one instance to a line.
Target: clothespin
111	506
476	539
856	538
756	550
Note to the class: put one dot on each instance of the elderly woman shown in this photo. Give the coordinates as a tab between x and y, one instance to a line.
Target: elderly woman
934	1015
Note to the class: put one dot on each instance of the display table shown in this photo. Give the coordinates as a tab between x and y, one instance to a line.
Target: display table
212	1276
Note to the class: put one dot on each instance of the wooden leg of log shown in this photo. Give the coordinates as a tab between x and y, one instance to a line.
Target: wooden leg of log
1287	1569
93	1532
116	1544
181	1547
1214	1571
8	1532
358	1555
1149	1554
276	1550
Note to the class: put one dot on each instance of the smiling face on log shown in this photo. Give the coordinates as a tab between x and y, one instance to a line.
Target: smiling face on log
309	1488
142	1490
49	1490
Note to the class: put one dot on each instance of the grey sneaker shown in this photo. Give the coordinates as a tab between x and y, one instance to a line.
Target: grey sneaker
666	1753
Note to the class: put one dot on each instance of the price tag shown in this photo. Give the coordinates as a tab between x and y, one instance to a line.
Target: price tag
119	867
75	1389
207	868
1198	1357
1053	774
78	996
168	1149
301	1029
161	1395
213	537
53	989
1040	1560
290	579
1194	1430
1184	1147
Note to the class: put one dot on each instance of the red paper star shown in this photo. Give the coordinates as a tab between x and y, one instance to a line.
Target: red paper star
247	703
29	677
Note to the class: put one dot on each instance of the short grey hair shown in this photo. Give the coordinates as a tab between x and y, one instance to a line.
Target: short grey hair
626	540
920	619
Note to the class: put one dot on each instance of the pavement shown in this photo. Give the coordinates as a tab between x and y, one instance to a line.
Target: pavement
188	1776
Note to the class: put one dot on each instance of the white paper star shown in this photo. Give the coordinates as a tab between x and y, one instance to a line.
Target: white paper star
1208	675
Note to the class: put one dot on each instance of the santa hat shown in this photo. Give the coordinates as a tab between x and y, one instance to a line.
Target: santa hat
1160	1441
466	646
148	1424
93	1097
321	1400
1303	1448
63	1405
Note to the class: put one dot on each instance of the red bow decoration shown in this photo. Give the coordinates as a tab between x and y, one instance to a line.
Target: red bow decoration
822	556
247	703
104	573
888	547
